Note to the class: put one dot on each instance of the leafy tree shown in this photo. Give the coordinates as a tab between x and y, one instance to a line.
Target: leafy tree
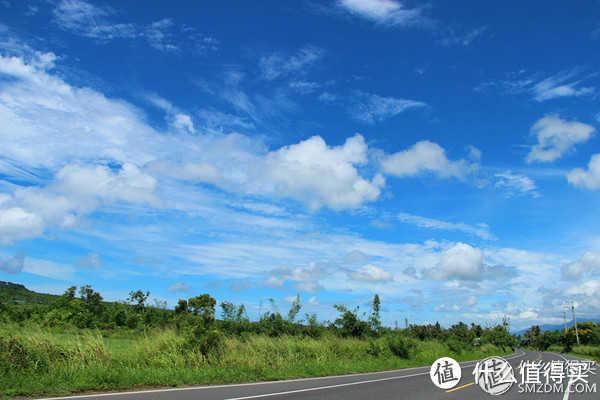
294	309
182	307
138	299
375	318
349	323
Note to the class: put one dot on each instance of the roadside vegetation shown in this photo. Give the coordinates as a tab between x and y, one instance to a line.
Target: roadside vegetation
77	342
559	341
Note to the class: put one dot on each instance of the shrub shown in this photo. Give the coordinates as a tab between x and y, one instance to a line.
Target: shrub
400	346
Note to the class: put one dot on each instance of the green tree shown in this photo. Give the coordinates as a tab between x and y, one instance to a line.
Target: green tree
375	318
138	299
294	309
349	323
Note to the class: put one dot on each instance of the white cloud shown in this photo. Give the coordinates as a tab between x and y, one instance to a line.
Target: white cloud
18	224
278	64
179	287
445	308
322	175
516	184
562	84
386	12
313	301
451	38
459	262
304	87
13	265
370	273
372	109
557	137
590	288
470	302
557	86
586	179
355	256
273	282
96	22
310	287
480	230
91	261
426	156
311	271
76	191
574	271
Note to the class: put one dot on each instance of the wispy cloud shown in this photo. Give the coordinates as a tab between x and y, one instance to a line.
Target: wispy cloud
516	184
97	22
280	64
480	230
562	84
372	109
13	265
451	38
557	137
384	12
91	261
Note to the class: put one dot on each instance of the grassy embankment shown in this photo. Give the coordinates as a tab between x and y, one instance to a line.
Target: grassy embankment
587	352
35	361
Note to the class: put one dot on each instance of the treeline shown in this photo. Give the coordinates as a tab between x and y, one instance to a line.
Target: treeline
588	332
195	319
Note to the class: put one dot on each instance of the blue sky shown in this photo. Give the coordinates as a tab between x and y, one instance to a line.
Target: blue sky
444	155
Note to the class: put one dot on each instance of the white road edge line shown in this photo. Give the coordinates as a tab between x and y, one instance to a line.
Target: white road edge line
127	393
326	387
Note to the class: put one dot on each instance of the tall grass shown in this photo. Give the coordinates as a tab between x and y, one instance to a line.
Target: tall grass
36	361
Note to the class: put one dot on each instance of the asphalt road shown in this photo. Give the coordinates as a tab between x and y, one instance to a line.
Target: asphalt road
412	383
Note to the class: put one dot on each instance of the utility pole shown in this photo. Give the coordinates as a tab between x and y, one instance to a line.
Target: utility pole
572	307
565	318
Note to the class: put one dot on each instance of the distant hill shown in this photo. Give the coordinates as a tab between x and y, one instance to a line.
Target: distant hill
20	294
551	327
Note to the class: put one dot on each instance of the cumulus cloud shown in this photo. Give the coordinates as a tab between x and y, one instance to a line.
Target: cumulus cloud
179	287
309	287
91	261
590	288
461	261
313	301
18	224
574	271
470	302
426	156
385	12
76	191
370	273
355	256
311	271
273	282
516	184
481	230
319	174
445	308
557	137
277	65
589	178
13	265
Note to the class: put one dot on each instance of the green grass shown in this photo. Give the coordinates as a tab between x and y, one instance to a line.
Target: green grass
35	361
588	352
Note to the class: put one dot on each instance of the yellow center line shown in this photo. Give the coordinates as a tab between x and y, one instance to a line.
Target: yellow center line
460	387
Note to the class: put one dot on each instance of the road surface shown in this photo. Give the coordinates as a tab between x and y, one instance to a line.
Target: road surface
412	383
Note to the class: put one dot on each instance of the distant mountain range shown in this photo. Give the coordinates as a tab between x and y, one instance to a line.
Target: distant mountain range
551	327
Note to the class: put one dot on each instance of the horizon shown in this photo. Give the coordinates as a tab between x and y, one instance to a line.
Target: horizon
443	155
